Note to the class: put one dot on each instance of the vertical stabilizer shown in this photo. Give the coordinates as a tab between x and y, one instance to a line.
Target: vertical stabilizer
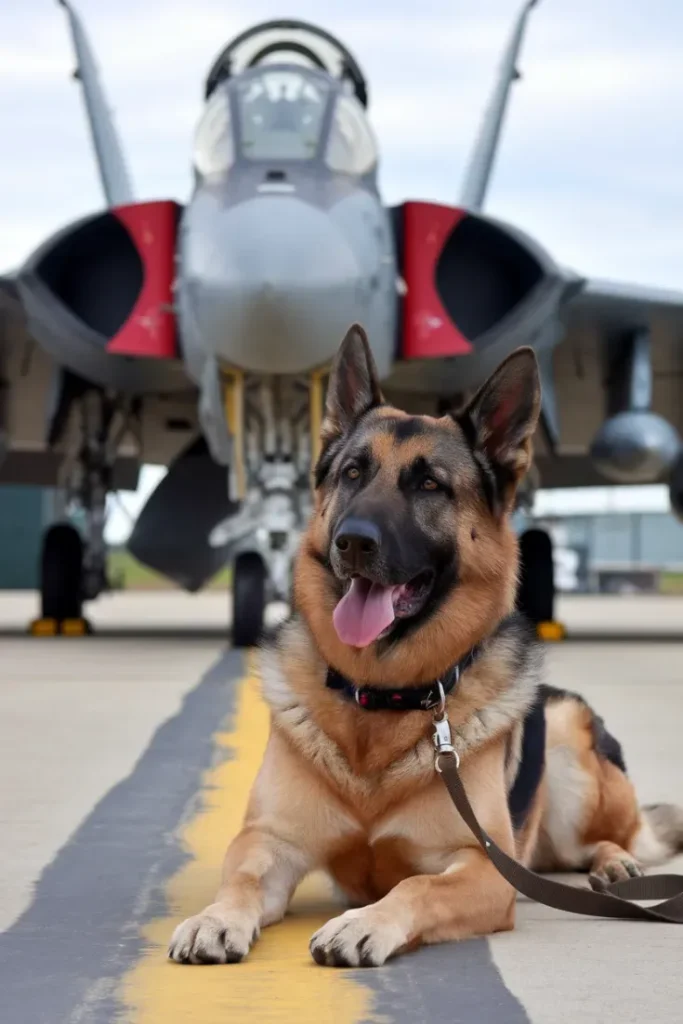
483	156
108	152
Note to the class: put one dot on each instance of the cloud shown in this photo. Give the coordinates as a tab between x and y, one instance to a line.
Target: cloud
589	161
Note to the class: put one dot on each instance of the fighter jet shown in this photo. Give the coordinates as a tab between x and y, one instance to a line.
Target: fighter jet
199	336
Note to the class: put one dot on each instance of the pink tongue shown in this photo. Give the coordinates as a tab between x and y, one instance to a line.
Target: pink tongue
363	613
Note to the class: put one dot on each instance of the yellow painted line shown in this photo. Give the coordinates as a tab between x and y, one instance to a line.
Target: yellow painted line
278	981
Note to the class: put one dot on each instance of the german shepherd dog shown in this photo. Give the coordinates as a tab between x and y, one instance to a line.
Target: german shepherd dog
408	570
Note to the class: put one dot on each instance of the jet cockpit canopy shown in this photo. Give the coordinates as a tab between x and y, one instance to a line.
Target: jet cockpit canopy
277	114
287	42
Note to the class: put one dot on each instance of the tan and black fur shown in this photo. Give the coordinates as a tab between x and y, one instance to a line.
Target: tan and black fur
355	792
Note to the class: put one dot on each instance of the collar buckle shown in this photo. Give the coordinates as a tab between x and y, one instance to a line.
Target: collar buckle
440	713
442	736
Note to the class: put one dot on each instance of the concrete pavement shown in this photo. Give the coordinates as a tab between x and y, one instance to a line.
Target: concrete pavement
74	720
160	612
564	968
125	765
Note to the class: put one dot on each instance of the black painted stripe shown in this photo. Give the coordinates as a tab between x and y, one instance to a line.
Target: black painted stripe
453	983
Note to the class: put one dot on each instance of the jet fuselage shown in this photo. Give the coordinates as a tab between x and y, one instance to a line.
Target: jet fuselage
285	240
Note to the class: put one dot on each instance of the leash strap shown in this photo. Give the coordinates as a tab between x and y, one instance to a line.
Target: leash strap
612	901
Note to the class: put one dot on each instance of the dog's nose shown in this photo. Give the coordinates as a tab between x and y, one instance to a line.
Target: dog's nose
357	540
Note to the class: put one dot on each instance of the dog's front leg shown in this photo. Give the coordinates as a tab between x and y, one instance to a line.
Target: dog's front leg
260	874
469	898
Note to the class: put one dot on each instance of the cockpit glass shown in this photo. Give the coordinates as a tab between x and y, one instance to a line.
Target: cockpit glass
282	115
213	146
351	147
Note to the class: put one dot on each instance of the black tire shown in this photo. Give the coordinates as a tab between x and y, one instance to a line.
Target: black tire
248	599
536	593
61	573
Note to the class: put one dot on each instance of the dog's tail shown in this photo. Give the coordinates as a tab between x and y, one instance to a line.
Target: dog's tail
660	835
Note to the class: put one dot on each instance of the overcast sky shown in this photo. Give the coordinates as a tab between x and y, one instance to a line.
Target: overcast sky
591	157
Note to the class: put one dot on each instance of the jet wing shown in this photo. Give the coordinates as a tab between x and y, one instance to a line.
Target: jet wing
10	306
585	372
13	336
30	413
606	348
613	306
39	418
16	340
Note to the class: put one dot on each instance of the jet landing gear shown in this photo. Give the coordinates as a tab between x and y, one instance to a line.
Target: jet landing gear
262	570
269	422
61	584
73	562
536	593
61	576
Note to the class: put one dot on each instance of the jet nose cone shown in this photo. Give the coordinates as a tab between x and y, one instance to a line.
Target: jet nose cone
274	242
275	283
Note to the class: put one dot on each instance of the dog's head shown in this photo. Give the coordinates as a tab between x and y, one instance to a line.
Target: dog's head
409	559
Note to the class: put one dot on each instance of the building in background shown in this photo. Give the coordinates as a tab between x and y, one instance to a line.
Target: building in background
615	540
24	514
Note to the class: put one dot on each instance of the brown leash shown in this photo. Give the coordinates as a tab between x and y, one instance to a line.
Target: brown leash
612	901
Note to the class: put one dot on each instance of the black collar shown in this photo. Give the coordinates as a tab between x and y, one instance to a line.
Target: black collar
410	698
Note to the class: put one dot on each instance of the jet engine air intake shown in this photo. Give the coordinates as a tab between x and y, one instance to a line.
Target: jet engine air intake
101	292
96	272
470	283
494	274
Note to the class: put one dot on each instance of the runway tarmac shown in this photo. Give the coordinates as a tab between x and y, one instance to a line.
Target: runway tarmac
160	612
126	759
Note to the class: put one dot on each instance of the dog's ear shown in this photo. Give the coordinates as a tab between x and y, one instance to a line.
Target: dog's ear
501	418
353	387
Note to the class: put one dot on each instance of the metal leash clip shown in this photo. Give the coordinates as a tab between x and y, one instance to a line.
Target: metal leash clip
443	740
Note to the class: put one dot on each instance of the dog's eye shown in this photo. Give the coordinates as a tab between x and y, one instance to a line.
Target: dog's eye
352	472
429	484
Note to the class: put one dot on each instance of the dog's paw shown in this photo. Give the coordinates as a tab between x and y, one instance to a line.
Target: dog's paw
212	937
358	938
616	869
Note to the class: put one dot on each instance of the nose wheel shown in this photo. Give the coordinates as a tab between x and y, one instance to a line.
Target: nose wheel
273	426
249	598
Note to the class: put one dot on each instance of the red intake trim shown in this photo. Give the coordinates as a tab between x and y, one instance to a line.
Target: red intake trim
150	330
428	331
